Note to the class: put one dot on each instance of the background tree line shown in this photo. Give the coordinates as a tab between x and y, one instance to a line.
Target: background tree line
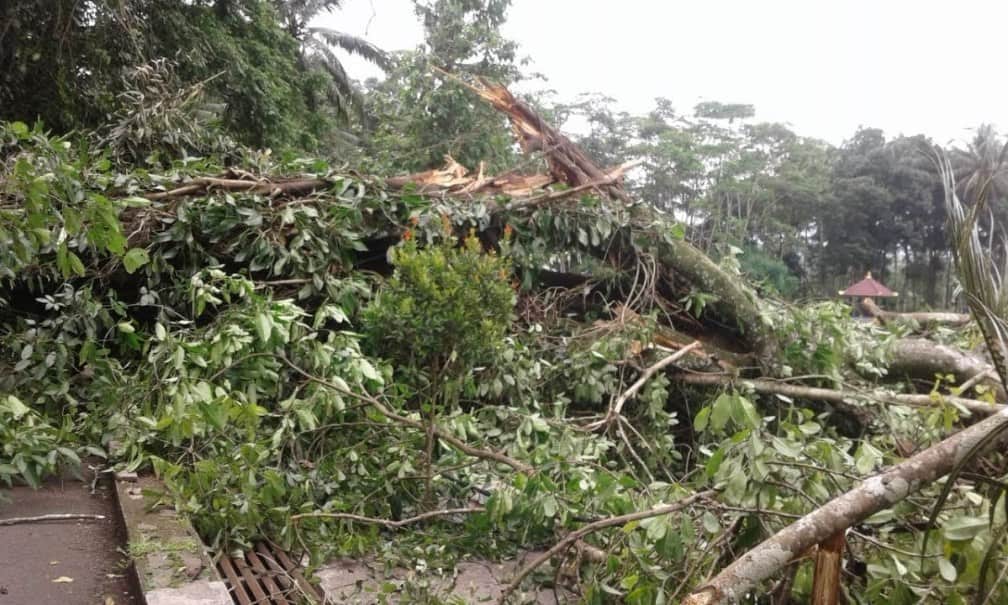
804	217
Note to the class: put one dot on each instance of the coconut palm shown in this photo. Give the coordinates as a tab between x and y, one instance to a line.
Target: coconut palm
985	286
319	44
982	166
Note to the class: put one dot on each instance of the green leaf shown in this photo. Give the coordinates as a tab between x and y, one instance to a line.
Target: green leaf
700	422
711	523
963	528
368	370
16	408
20	129
549	506
721	411
947	570
76	265
134	259
264	327
715	462
655	527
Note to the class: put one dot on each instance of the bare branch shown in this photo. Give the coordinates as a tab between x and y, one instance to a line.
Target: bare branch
52	517
617	407
819	394
388	523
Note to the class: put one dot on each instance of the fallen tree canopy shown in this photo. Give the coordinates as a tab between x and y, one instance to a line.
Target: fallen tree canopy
524	360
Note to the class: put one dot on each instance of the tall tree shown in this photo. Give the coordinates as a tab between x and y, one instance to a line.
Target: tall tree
279	84
418	115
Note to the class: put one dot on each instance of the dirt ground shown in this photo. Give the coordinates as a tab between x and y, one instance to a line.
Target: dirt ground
33	556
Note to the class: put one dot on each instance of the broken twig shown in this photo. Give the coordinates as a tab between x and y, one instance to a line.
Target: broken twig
388	523
52	517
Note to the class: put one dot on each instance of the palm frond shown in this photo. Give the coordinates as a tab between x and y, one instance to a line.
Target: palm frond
986	292
353	45
342	93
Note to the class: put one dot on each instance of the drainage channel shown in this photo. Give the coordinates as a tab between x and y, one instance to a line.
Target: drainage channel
266	575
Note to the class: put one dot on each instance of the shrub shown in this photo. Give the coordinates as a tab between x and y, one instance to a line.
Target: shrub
445	310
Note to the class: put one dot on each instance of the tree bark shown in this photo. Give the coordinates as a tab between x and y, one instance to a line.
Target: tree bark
735	304
872	495
923	359
948	319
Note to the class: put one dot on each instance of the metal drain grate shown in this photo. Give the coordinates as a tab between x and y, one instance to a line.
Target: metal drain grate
266	575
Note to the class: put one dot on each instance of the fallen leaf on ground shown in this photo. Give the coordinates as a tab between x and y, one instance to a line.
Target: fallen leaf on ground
53	562
63	580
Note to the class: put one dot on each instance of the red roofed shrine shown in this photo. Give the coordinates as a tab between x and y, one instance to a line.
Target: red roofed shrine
868	287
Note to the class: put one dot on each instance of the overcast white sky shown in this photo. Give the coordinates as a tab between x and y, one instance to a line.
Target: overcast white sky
825	67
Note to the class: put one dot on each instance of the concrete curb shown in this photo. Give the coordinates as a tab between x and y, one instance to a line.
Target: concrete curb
172	565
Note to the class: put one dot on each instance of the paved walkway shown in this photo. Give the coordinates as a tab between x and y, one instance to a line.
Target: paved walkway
62	562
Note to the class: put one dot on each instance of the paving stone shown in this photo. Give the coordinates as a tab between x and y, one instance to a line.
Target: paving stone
204	592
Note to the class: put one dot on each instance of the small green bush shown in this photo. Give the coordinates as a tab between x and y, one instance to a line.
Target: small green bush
445	310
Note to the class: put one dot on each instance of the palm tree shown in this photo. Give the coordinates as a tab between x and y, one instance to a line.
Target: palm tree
318	45
981	166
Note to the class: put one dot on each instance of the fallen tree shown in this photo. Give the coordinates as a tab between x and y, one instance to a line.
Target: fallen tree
214	325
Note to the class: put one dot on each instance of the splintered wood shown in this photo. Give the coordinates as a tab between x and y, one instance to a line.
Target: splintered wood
567	163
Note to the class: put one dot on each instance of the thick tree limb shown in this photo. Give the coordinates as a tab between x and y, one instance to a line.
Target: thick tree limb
203	185
613	176
840	397
735	304
567	162
923	359
872	495
573	537
949	319
828	564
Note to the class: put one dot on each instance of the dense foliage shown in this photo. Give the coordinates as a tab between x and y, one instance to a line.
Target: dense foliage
276	81
284	357
230	342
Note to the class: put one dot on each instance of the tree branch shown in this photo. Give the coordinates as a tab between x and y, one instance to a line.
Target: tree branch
295	519
870	496
819	394
388	413
646	375
203	185
577	535
52	517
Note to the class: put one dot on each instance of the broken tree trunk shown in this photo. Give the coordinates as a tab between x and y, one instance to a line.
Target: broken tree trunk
927	318
826	578
872	495
735	304
567	163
